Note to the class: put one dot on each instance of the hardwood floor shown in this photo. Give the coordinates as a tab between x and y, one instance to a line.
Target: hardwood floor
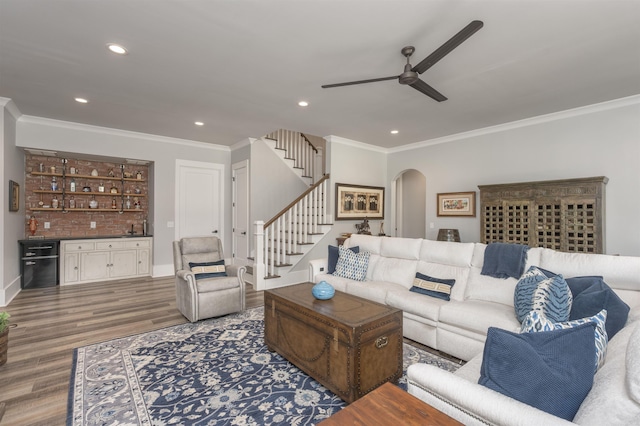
51	322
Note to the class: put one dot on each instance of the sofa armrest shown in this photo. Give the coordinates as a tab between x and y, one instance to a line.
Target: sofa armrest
185	275
317	266
471	403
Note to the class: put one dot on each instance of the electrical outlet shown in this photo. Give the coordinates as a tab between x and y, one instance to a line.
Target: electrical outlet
92	225
431	225
170	224
47	225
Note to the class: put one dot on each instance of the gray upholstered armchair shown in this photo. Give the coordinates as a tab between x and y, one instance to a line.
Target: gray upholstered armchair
204	298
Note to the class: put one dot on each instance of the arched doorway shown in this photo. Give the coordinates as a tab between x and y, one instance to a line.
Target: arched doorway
408	199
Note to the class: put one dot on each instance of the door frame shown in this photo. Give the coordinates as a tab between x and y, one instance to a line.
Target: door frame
234	194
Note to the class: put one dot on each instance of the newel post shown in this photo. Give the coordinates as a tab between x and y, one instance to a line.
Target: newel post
259	262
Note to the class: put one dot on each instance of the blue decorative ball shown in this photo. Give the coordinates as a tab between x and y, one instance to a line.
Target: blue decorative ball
323	291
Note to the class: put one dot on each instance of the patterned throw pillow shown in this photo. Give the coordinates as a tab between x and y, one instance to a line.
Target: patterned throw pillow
535	321
549	295
352	265
208	269
434	287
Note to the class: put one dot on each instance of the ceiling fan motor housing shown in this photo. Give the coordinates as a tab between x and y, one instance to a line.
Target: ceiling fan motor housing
408	76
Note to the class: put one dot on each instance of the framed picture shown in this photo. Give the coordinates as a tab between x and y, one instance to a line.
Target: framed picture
457	204
14	196
356	202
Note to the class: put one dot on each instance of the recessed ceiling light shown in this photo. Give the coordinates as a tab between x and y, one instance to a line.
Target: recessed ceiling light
81	100
303	103
394	132
116	48
199	123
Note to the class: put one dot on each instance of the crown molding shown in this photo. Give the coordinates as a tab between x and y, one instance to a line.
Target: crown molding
355	144
30	119
11	107
561	115
242	143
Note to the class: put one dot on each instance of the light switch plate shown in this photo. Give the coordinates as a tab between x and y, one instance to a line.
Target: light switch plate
47	225
93	225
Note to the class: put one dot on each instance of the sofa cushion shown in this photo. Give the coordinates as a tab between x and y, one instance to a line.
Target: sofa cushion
620	272
483	287
404	248
424	307
478	315
460	274
610	401
433	287
536	291
633	365
365	242
447	253
207	285
373	290
332	258
592	294
203	270
550	370
352	265
393	270
536	322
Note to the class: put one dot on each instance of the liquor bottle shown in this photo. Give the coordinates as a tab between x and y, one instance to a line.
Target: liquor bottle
72	203
54	184
72	185
101	187
113	203
128	203
54	202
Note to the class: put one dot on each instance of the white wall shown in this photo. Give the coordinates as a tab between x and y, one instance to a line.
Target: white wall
12	164
600	140
34	132
354	163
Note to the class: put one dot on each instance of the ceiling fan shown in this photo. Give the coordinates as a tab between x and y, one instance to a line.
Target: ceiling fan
410	76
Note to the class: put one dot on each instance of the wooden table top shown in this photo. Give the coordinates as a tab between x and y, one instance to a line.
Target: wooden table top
345	308
389	405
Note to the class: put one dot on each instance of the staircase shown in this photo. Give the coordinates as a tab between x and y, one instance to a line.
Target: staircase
298	152
282	242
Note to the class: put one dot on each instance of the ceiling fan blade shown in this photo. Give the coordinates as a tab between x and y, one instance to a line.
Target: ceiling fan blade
423	87
448	46
373	80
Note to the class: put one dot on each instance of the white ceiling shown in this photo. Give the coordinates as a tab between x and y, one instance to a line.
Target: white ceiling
241	66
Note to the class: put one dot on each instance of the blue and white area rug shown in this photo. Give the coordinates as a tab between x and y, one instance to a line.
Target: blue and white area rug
214	372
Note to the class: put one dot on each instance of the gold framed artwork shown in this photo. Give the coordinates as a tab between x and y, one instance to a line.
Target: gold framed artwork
14	196
357	202
457	204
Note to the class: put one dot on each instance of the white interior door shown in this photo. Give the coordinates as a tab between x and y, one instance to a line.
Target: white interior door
199	199
240	208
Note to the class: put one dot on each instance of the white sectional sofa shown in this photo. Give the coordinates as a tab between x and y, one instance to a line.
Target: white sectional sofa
459	326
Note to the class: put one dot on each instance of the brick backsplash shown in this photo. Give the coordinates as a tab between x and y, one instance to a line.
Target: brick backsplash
77	223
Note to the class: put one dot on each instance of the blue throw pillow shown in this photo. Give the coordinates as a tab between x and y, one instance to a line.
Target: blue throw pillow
332	259
208	269
591	295
550	370
536	322
548	294
434	287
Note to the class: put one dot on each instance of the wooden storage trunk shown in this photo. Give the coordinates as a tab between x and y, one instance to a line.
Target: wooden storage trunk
349	344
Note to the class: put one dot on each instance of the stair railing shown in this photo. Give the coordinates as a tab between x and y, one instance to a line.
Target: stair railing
298	148
285	232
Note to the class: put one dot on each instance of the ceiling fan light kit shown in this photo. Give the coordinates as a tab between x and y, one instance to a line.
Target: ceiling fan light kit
411	74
